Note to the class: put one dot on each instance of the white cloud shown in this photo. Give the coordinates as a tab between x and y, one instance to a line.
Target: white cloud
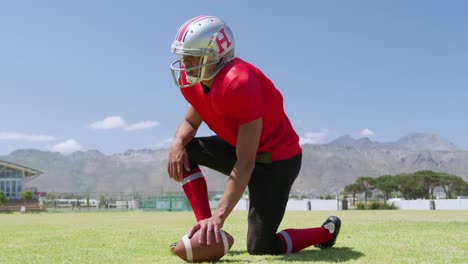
67	147
142	125
165	143
313	137
112	122
25	137
367	132
109	122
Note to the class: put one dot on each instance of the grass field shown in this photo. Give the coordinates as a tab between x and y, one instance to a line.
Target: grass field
144	237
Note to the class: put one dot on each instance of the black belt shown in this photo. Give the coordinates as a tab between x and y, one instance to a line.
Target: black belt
264	158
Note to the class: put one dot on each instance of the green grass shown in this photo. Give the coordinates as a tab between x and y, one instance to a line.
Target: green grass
144	237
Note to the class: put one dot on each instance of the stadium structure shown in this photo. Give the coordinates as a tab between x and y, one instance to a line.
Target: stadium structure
13	178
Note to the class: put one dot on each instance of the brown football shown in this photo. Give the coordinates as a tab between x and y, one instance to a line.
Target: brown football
191	250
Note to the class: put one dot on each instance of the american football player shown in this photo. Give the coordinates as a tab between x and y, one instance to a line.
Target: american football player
254	144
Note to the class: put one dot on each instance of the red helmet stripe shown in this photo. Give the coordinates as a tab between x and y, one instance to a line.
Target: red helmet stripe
184	28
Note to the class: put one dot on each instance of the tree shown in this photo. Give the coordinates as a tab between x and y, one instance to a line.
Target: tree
409	186
452	185
87	201
420	184
464	189
3	198
353	189
51	196
386	184
366	185
102	201
26	196
427	181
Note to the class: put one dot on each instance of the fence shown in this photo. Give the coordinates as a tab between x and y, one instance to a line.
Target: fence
165	203
178	202
449	204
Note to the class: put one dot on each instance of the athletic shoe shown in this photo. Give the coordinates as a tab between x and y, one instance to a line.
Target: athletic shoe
333	225
172	247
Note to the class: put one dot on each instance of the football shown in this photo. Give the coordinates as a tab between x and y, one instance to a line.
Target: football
191	250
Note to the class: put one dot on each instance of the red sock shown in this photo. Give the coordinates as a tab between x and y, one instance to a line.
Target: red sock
297	239
196	191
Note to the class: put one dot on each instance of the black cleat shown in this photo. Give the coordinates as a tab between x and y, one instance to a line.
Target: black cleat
172	247
333	225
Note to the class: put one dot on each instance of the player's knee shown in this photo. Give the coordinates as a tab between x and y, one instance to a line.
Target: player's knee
192	146
256	249
261	247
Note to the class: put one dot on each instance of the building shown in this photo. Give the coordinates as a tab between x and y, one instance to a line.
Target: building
13	178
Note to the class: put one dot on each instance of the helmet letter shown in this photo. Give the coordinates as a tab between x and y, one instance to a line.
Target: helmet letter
220	42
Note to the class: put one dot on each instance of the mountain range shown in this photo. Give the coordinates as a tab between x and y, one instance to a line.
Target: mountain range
326	168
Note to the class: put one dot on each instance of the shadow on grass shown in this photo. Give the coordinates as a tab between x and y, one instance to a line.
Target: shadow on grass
335	254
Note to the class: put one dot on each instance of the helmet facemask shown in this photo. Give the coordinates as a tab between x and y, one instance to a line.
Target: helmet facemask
179	70
208	66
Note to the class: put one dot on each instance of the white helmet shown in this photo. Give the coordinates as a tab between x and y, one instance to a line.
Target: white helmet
207	37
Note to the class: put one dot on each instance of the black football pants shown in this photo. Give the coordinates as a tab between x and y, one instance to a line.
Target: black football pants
269	188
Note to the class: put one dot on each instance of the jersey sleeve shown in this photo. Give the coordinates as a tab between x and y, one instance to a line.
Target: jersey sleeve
243	97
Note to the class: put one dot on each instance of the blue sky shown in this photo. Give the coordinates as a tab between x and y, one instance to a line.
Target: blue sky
85	75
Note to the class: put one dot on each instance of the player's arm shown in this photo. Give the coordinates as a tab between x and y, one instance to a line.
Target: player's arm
178	159
248	139
188	127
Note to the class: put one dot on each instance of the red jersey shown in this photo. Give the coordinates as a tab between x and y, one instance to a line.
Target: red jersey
241	93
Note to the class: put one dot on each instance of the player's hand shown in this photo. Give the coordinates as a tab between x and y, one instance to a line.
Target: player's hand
177	162
210	228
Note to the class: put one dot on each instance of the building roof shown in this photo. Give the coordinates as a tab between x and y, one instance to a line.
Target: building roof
28	172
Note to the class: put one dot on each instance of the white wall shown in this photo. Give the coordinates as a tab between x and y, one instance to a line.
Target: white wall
243	204
298	205
411	204
333	205
449	204
452	204
314	205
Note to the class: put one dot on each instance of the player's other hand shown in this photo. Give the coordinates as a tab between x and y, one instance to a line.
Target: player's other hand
210	230
177	162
